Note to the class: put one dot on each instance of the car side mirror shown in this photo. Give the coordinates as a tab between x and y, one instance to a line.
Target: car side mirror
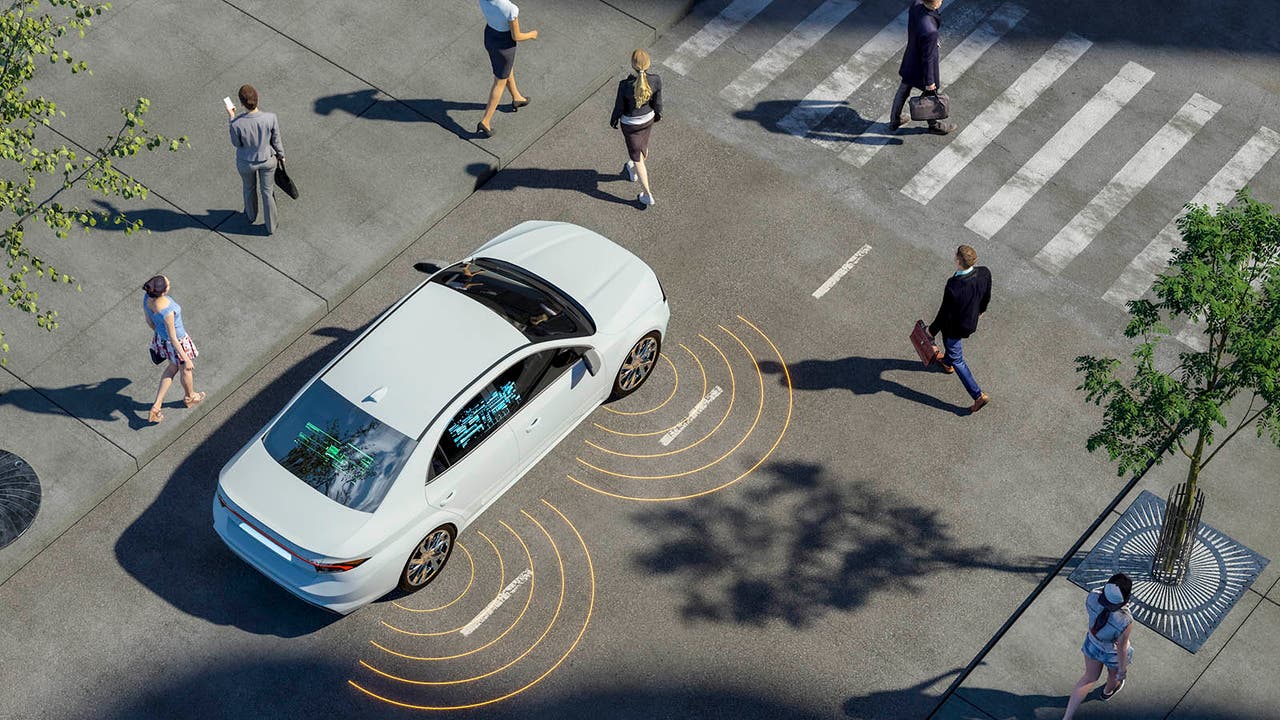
593	360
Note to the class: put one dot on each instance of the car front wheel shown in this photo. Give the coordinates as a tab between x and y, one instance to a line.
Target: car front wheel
638	366
427	559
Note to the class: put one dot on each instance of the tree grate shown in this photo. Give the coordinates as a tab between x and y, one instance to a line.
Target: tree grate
1187	613
19	497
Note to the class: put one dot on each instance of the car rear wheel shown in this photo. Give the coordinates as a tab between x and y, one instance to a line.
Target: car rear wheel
638	366
427	559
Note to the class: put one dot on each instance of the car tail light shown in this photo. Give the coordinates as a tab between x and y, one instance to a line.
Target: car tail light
327	566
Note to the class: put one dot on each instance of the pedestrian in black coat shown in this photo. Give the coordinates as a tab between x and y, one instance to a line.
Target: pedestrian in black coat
919	68
967	295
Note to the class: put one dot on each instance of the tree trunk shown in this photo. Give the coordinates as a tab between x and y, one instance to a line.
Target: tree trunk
1181	523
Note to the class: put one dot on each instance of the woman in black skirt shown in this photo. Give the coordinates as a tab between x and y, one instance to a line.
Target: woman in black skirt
501	33
637	107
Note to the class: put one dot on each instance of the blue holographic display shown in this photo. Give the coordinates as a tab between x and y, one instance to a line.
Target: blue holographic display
484	415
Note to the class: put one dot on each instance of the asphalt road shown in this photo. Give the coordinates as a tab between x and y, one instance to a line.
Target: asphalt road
833	536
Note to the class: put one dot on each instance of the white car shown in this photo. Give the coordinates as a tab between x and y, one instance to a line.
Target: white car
364	480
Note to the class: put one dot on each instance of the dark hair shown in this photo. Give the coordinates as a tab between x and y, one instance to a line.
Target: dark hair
249	97
1121	581
156	286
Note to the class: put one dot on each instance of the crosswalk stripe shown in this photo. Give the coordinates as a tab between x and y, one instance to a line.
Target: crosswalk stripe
1072	239
1237	173
984	128
1050	158
714	33
787	50
844	80
953	67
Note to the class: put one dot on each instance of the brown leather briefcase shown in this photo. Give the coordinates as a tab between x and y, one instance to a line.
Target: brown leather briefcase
929	107
923	343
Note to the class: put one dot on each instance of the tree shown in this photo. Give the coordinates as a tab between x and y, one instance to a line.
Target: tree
30	36
1225	278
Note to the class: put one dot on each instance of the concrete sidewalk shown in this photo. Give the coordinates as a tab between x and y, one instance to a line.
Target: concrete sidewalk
377	109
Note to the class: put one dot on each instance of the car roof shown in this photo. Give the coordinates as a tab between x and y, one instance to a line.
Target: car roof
424	352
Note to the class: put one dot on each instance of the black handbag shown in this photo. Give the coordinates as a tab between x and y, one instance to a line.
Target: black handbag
156	357
934	106
284	182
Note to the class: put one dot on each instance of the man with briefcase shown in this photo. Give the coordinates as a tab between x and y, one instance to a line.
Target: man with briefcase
919	70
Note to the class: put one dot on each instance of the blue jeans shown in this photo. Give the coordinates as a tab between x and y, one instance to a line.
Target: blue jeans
955	358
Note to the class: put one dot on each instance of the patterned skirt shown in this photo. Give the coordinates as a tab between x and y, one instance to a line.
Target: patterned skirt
165	348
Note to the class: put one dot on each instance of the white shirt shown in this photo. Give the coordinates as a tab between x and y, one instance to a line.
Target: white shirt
499	13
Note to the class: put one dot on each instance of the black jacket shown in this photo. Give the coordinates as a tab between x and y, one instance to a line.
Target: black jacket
965	298
919	67
625	102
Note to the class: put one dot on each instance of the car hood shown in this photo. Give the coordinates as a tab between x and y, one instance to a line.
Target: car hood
280	503
605	278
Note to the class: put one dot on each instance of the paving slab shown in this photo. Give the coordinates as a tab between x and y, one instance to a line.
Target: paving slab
76	466
238	311
1031	671
957	708
661	15
1241	682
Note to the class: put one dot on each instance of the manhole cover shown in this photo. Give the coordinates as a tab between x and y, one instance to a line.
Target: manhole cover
19	497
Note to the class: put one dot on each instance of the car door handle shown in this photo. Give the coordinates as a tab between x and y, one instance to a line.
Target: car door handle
533	424
445	500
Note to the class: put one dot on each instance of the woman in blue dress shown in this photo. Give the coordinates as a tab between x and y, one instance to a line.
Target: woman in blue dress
1106	644
169	340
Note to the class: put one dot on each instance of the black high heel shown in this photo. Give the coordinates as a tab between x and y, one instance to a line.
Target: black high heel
515	106
484	131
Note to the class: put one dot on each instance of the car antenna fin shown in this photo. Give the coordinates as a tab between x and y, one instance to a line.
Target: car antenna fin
376	395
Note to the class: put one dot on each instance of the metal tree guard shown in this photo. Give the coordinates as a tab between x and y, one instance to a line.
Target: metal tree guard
1177	535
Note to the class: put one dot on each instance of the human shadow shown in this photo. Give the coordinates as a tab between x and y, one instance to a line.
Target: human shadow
860	375
156	219
917	701
827	544
841	124
585	181
368	104
102	401
172	549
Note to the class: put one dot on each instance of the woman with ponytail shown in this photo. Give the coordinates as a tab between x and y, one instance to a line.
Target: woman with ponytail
637	107
1107	641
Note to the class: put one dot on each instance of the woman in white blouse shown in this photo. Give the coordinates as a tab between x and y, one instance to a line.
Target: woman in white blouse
501	33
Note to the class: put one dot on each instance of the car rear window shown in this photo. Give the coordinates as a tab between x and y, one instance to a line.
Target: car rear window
528	309
338	449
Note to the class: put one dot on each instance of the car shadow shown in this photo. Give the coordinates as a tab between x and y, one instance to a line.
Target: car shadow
172	548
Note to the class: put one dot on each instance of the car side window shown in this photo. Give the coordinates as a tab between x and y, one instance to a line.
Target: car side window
561	361
497	401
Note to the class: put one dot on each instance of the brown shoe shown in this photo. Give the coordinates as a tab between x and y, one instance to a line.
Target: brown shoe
898	122
942	128
980	403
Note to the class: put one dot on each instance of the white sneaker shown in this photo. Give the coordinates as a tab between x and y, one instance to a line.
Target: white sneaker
646	198
631	171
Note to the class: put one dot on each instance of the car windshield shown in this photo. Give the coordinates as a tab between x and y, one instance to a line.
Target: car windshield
528	309
338	449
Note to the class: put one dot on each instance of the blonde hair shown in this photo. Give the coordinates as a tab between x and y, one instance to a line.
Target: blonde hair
967	256
640	62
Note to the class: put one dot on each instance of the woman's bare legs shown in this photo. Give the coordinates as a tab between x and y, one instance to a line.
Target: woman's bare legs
165	381
495	97
1092	670
642	172
511	87
188	379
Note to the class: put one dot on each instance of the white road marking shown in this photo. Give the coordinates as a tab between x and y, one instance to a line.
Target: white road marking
714	33
988	125
844	80
841	272
674	432
1049	159
1153	259
953	67
1127	183
787	50
496	603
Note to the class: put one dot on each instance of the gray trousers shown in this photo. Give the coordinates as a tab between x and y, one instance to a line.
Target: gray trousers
258	179
900	99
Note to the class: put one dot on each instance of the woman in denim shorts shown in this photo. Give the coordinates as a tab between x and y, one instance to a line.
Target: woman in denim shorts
1107	641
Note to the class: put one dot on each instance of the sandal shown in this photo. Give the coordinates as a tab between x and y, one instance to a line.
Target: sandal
154	416
192	400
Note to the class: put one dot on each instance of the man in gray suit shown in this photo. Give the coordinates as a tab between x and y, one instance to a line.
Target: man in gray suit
256	136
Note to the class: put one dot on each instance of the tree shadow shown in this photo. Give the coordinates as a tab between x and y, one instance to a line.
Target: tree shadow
861	376
172	549
843	124
369	105
158	219
586	181
99	401
826	544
